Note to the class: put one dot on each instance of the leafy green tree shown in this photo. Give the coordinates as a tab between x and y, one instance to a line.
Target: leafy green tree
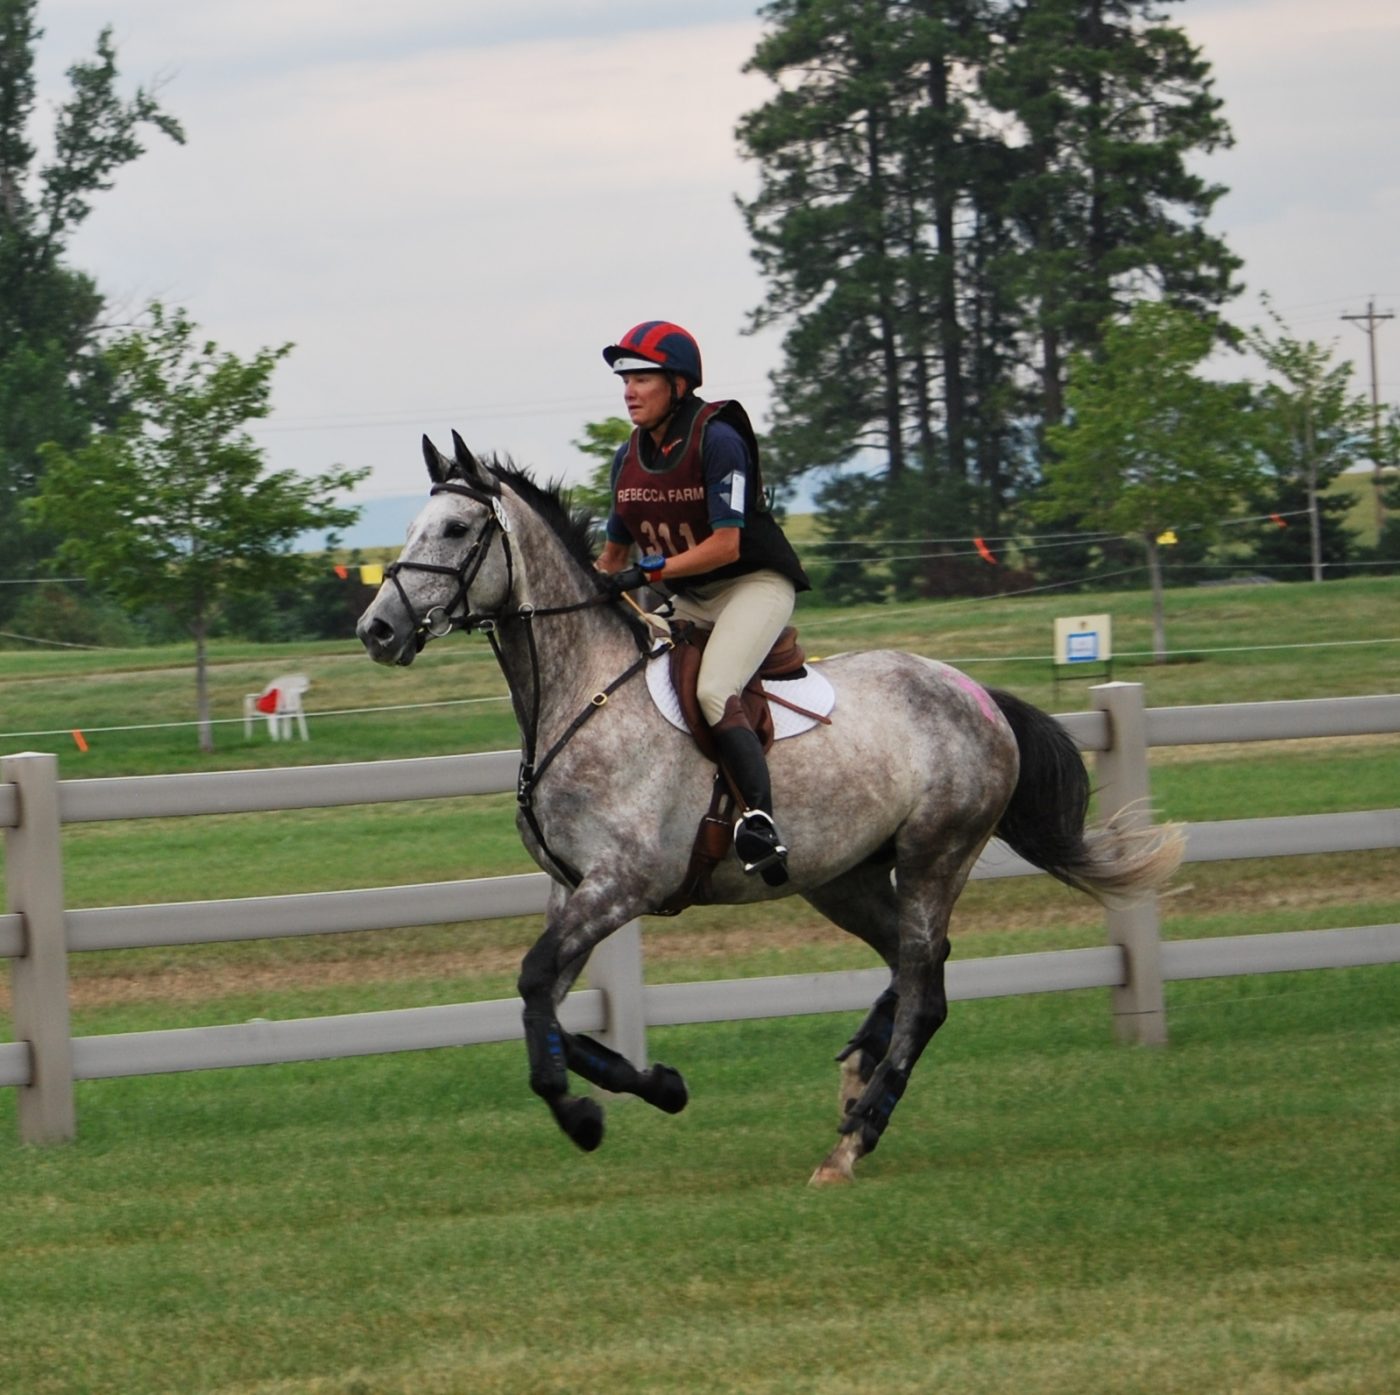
1310	427
55	384
1147	446
172	507
599	443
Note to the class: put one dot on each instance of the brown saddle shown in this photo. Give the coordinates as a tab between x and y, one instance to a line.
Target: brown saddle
715	833
785	660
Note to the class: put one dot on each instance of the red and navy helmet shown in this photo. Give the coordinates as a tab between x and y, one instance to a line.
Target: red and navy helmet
653	345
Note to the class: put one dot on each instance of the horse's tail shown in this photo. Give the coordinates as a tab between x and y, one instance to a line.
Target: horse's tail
1115	861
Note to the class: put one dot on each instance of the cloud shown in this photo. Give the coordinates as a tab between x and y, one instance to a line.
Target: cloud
449	208
451	234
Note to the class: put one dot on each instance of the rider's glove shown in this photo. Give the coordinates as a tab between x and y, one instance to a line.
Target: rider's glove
632	577
626	580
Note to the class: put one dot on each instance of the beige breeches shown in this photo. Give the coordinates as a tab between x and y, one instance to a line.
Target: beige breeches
746	614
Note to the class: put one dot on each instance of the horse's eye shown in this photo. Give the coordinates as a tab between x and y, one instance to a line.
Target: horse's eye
455	530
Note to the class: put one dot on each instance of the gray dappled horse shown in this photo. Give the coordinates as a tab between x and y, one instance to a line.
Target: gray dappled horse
918	769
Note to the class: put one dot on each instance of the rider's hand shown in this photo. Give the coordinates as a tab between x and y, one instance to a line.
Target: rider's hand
628	579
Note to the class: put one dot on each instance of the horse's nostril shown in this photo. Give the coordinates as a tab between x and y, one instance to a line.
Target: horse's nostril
376	635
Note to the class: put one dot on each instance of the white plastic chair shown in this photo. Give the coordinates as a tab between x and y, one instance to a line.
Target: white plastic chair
280	703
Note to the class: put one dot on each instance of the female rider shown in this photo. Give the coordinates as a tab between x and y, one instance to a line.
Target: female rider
687	493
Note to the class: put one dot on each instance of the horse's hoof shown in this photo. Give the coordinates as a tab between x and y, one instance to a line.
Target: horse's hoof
839	1165
665	1088
582	1120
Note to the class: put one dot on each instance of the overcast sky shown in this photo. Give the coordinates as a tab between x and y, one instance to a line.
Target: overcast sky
450	207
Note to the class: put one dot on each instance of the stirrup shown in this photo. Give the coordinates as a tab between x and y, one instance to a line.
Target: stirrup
759	847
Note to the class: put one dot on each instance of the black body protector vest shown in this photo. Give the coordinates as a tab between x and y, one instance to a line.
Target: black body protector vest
659	494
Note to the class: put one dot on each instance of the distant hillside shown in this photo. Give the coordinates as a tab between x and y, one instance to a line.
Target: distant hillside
382	523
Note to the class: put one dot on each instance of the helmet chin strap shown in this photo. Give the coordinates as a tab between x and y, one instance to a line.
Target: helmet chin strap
677	397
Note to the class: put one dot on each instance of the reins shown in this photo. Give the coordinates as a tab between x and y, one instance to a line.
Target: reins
440	620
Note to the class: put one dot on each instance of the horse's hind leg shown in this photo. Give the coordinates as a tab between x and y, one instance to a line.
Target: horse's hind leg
925	903
863	903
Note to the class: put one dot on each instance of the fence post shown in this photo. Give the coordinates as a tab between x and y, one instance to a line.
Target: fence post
615	967
34	889
1139	1007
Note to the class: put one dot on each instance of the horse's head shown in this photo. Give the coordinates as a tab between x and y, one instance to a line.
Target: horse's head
454	570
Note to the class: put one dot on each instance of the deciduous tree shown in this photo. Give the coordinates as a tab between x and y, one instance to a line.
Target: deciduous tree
55	384
172	507
1310	426
1147	445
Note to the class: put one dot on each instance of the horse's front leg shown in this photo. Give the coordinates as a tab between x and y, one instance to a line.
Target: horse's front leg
577	923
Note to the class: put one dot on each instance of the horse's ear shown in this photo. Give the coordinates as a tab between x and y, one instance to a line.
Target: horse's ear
471	468
438	465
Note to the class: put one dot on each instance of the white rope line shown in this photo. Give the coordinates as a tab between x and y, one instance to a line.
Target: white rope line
966	662
229	721
58	643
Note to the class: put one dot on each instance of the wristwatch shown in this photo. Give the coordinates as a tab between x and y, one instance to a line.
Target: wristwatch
652	562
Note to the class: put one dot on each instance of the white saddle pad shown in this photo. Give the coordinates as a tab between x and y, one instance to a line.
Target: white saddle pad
811	691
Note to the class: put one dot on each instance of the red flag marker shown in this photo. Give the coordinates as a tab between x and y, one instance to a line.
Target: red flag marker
984	551
79	740
1281	523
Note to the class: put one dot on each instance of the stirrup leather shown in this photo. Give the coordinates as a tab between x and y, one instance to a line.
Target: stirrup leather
757	843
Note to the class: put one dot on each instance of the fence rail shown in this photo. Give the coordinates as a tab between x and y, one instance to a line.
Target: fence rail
37	933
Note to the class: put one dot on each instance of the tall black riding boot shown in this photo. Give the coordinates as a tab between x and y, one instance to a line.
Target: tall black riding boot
756	838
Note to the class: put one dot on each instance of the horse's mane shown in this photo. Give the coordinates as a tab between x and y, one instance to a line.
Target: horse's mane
575	525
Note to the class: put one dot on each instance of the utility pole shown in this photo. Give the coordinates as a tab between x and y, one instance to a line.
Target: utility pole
1370	323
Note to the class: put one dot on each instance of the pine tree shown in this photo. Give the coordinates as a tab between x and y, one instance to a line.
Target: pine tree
1108	103
955	195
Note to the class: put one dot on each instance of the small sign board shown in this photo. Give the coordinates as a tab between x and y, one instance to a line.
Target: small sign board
1084	639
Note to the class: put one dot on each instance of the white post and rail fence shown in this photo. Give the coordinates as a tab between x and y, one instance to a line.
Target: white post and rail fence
38	932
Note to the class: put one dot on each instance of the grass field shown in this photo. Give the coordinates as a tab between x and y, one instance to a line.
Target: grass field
1049	1213
1229	644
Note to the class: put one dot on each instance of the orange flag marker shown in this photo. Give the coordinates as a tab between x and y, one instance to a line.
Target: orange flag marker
79	740
983	551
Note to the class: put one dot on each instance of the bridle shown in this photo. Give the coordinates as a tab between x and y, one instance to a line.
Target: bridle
441	620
